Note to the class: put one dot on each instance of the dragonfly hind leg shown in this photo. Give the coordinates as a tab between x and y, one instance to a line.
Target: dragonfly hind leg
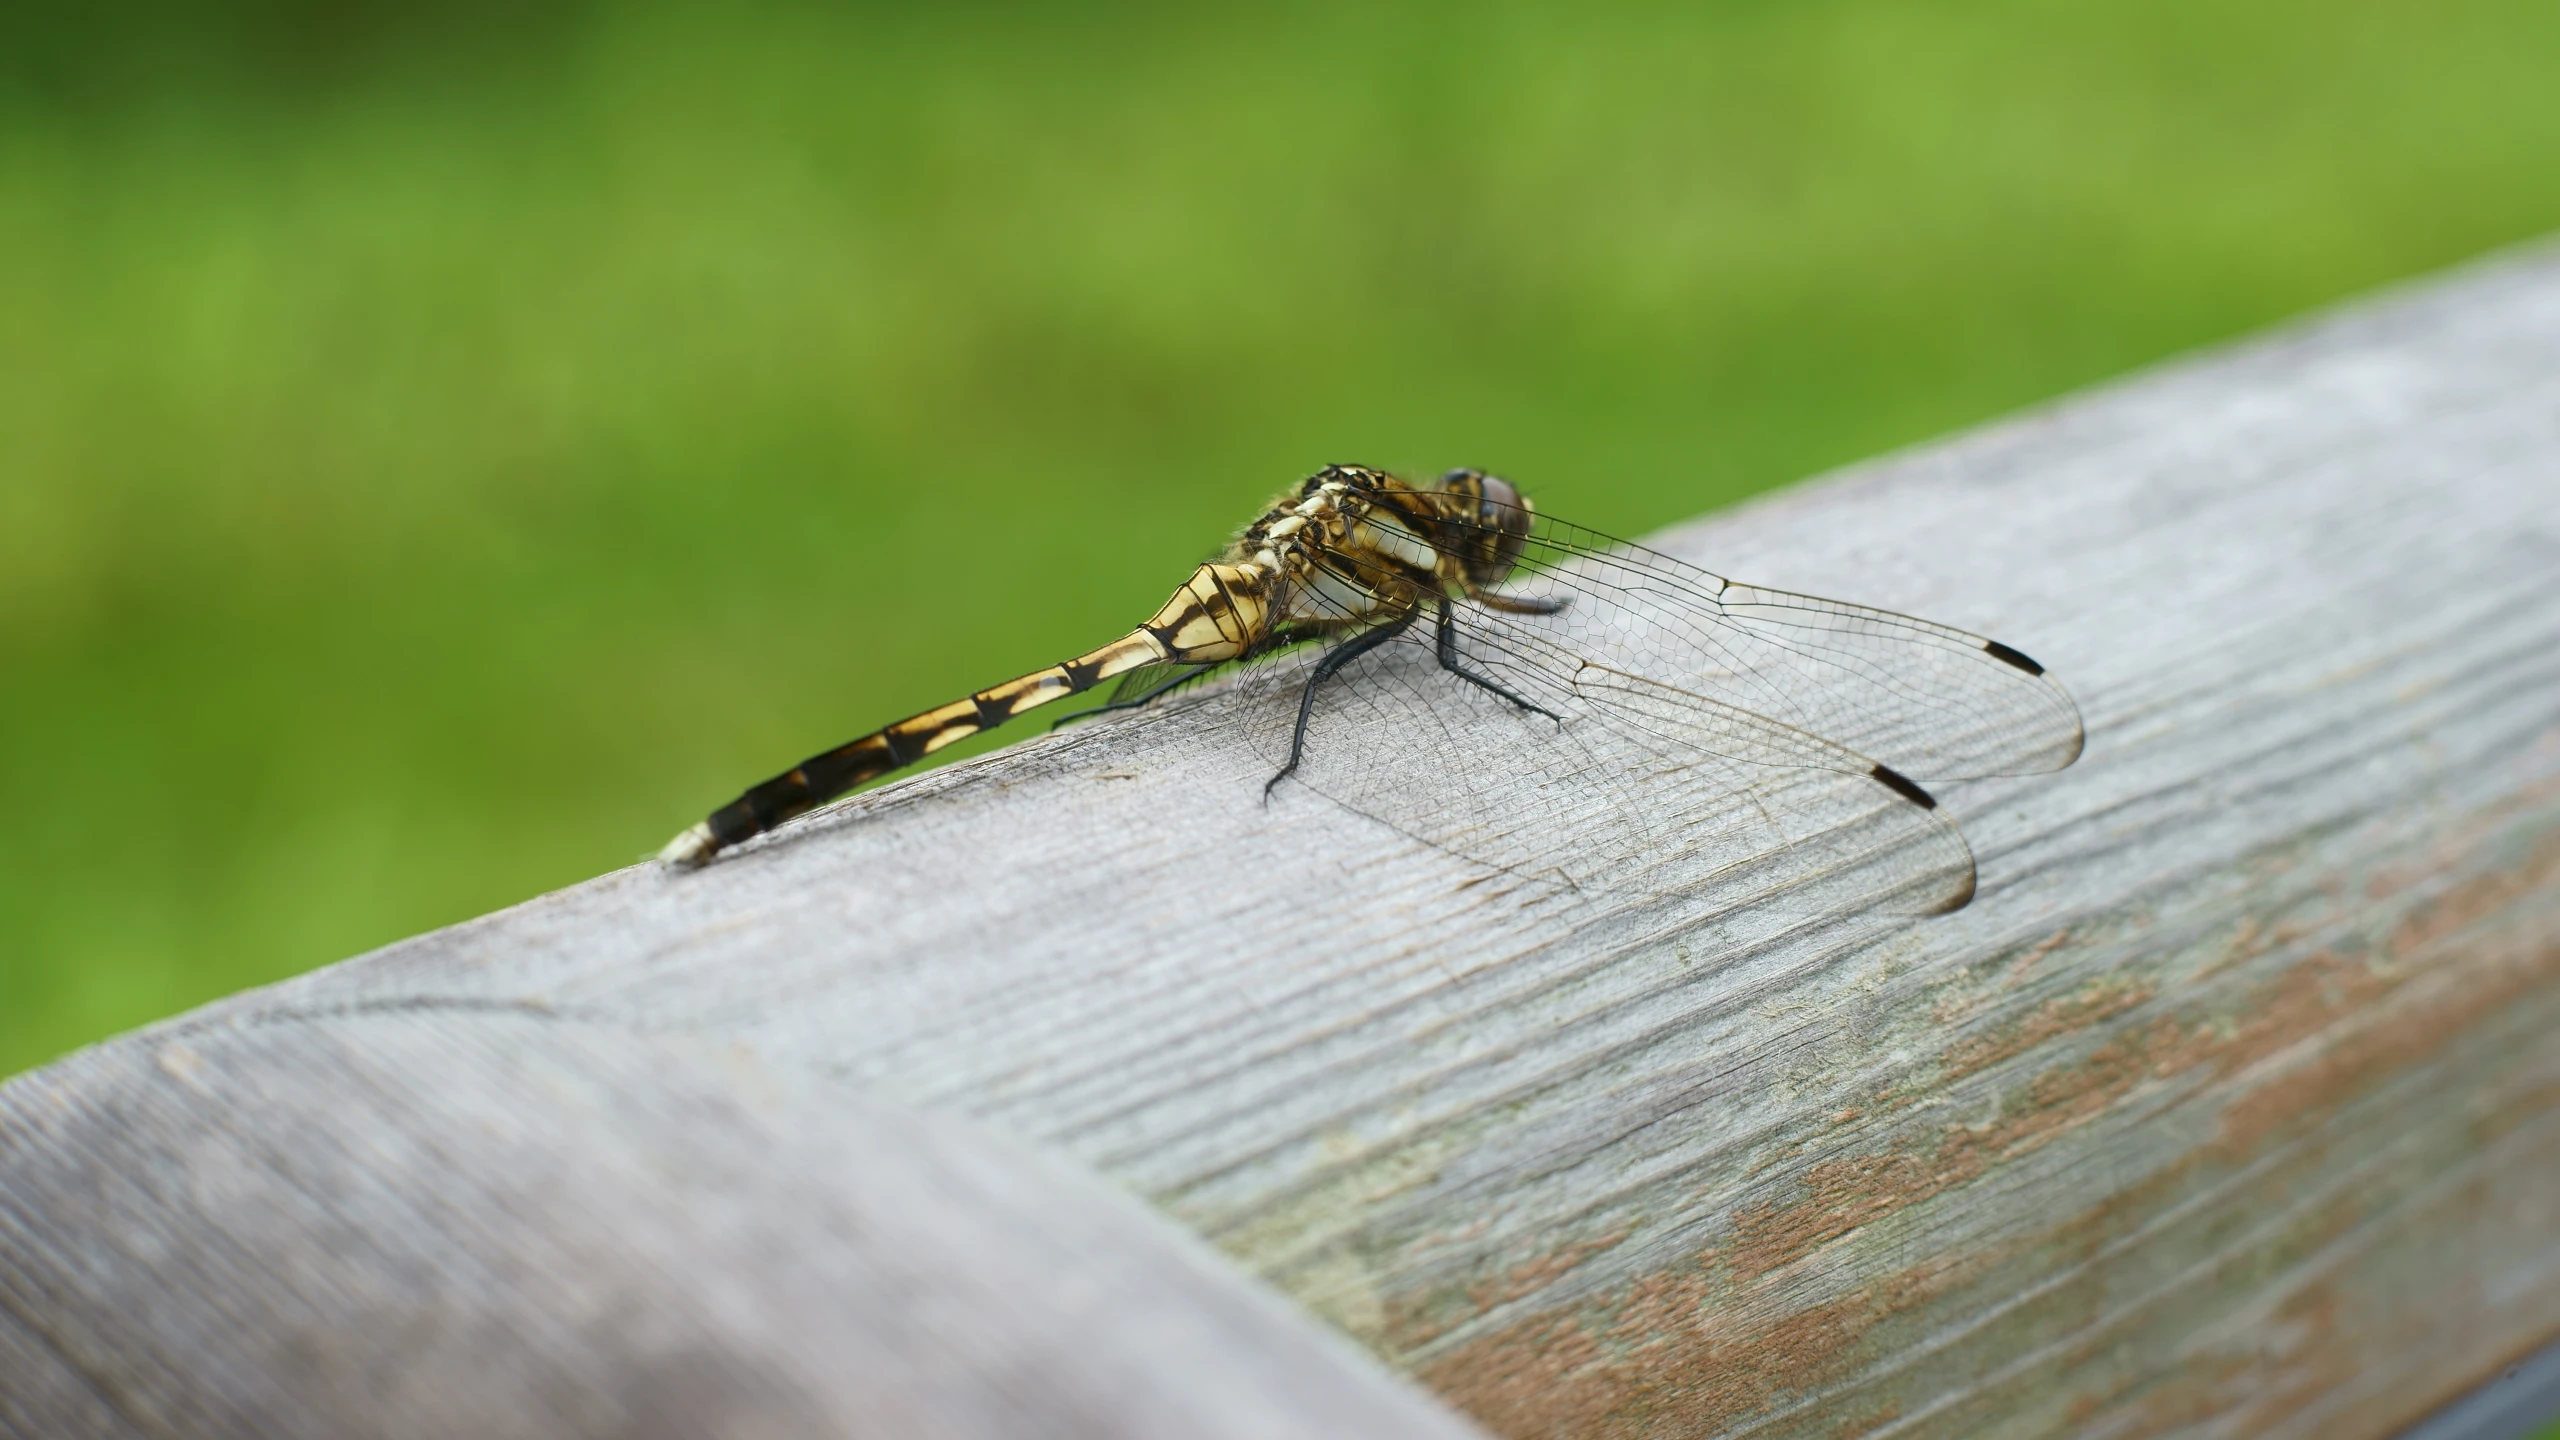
1144	698
1449	661
1339	656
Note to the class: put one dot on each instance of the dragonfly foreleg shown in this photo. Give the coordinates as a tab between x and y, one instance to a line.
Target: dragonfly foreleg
1339	656
1449	661
1518	604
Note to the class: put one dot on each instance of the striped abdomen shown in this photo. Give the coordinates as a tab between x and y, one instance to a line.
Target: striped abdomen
1218	615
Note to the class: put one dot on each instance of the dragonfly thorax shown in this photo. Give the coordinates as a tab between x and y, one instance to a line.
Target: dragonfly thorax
1353	547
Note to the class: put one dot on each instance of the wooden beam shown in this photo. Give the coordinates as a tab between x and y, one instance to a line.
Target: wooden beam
2230	1105
488	1220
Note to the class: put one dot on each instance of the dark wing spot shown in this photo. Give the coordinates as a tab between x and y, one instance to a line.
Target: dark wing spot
1900	784
1998	651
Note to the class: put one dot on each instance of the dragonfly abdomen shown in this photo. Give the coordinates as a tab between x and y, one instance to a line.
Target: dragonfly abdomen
1219	614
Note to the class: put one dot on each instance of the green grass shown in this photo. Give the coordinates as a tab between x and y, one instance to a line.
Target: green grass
440	459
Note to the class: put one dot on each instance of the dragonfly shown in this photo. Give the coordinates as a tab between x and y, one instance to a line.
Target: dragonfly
1544	698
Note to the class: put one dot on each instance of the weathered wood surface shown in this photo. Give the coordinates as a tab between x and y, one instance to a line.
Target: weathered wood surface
460	1220
2518	1403
2230	1107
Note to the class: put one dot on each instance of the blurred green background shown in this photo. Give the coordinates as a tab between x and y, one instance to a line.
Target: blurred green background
444	450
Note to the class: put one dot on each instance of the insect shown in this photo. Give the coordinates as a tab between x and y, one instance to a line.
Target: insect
1473	638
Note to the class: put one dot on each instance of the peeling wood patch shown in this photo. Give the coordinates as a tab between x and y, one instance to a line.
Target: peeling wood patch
2277	1082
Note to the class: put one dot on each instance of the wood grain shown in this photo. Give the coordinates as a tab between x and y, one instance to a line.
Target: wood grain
2230	1107
475	1220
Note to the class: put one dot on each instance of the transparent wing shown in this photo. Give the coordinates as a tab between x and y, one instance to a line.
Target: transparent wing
1929	700
1149	682
1646	723
1600	779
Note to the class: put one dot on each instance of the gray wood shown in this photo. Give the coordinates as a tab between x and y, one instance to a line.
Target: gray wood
436	1220
2230	1107
2517	1403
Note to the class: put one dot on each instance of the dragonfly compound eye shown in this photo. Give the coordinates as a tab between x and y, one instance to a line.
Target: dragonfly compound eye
1496	531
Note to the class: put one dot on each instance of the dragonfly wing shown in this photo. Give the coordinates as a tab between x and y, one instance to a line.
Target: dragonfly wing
1855	826
1623	784
1148	682
1930	700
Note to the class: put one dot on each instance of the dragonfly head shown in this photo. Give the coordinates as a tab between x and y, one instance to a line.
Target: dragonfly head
1489	522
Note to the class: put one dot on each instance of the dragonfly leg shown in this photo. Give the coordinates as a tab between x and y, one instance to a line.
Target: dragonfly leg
1449	662
1519	604
1147	697
1339	656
